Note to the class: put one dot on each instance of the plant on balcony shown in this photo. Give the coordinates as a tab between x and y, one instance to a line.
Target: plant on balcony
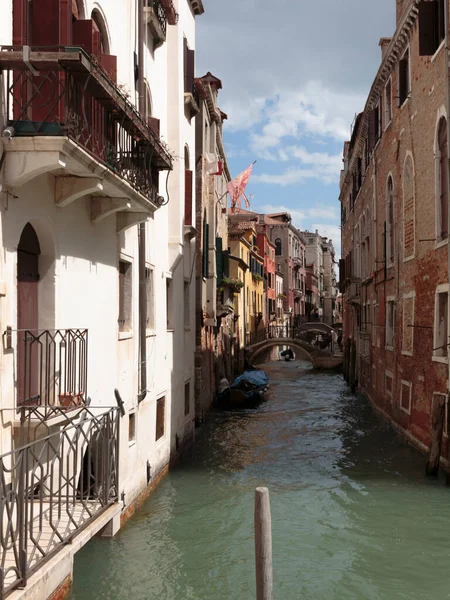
282	296
235	285
257	277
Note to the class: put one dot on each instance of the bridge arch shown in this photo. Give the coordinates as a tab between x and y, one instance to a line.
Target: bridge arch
315	326
291	343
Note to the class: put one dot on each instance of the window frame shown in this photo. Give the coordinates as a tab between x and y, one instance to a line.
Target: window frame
441	289
440	241
390	300
408	296
407	95
407	384
158	434
127	331
390	225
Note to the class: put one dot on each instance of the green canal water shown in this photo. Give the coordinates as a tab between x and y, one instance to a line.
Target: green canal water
353	515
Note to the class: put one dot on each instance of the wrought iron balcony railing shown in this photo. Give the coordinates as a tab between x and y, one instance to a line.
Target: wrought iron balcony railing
52	369
68	93
52	488
158	13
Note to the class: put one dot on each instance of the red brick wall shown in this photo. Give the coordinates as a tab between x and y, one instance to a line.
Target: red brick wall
411	133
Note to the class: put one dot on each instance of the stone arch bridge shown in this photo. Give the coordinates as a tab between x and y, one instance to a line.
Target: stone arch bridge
321	358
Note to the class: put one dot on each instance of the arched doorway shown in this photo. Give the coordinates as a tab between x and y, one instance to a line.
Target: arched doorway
28	253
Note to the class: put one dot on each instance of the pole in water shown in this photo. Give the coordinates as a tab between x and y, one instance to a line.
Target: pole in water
263	545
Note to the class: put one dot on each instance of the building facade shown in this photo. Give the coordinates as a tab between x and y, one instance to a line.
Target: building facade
97	295
214	359
394	205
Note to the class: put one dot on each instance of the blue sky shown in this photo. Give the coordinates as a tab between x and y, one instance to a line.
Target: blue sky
293	78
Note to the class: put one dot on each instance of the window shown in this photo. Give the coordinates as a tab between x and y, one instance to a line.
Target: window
169	303
377	118
388	103
404	83
440	343
390	222
405	396
160	417
389	383
205	250
187	398
150	298
187	305
431	26
278	248
441	181
408	210
390	323
374	324
408	324
125	296
131	427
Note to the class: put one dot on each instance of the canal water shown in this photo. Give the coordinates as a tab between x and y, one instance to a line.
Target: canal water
353	515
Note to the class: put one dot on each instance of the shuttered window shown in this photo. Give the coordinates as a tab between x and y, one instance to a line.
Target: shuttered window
205	262
442	181
125	296
403	79
431	26
188	197
150	298
160	417
219	260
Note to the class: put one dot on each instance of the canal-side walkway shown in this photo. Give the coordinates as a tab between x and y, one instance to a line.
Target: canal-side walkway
353	515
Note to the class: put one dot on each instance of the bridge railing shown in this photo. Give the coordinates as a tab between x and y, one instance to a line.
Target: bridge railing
287	332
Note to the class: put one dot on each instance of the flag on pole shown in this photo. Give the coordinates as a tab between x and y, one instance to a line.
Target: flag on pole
236	188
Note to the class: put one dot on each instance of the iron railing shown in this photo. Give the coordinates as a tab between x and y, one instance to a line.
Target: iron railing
72	95
159	12
53	487
52	367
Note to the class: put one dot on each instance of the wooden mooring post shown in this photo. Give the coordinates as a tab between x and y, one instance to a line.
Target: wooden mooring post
436	429
263	545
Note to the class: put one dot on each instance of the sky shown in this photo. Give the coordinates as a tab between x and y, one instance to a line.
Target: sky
294	74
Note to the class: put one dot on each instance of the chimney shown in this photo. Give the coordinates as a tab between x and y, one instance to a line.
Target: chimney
384	45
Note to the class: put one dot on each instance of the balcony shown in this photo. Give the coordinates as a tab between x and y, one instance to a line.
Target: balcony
353	291
53	487
155	18
298	293
68	117
52	372
191	98
297	262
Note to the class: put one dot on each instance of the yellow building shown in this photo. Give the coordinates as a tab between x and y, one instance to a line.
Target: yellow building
246	266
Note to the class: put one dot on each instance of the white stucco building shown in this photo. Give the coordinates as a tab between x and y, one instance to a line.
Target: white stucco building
96	265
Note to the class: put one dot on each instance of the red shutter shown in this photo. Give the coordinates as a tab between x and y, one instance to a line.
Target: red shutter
51	23
109	63
427	28
87	35
20	20
188	198
154	125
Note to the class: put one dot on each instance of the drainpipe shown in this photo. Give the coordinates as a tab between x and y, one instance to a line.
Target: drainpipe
142	361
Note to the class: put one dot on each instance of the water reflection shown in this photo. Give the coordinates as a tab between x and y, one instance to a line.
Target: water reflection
353	515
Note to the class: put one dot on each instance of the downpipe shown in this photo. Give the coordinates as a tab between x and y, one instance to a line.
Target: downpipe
142	315
142	232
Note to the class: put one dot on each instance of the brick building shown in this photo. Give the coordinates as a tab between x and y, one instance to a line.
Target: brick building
394	203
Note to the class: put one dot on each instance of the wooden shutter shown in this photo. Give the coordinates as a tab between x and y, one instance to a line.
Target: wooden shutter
403	67
87	35
188	198
427	28
185	61
51	23
189	62
371	134
219	260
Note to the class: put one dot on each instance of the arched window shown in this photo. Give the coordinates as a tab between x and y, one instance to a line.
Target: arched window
101	26
278	248
390	221
78	9
441	181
